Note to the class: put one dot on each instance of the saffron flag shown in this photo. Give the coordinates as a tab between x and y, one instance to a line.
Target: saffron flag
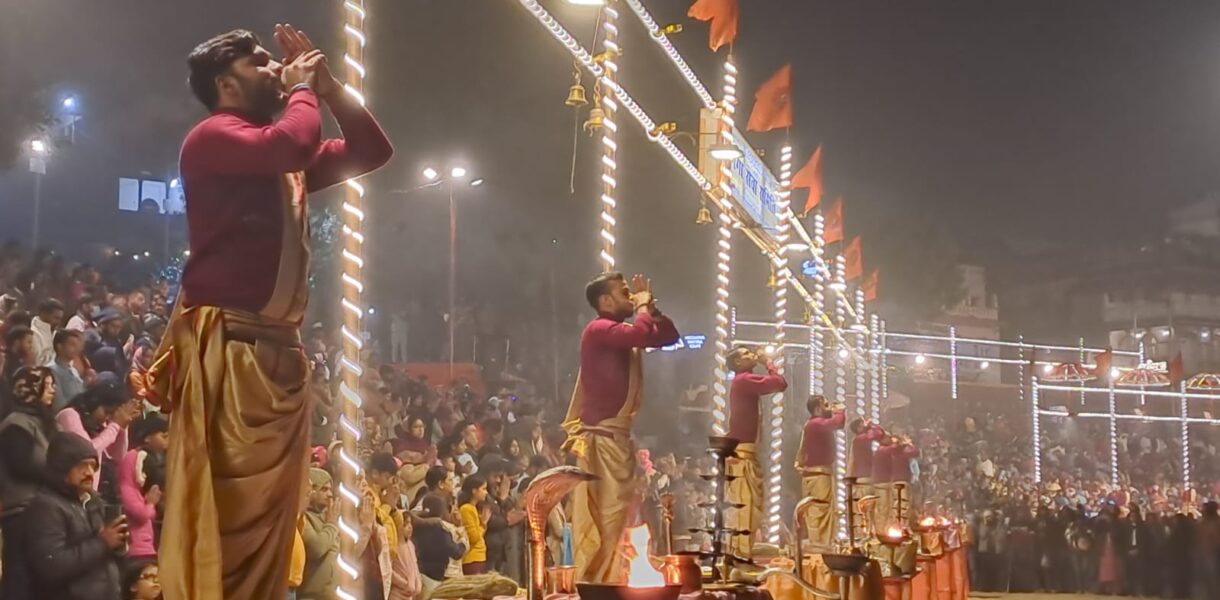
773	102
853	259
722	15
870	285
833	231
810	178
1103	360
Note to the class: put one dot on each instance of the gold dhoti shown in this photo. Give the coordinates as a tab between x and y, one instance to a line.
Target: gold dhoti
818	483
747	490
602	508
234	385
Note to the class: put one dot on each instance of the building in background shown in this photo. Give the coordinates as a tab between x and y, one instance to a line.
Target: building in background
1163	293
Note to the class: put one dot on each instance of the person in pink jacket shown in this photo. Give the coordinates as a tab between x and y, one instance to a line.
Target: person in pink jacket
100	415
138	496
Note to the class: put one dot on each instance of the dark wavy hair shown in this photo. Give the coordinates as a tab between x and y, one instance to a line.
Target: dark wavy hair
214	58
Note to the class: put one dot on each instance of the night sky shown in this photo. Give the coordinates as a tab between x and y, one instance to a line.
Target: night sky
1033	120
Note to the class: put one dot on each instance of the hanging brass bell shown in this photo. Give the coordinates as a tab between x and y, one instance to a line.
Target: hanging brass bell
597	120
576	96
704	217
772	280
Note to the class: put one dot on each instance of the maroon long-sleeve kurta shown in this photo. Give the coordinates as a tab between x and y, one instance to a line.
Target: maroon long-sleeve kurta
245	185
819	440
605	352
747	390
861	464
900	469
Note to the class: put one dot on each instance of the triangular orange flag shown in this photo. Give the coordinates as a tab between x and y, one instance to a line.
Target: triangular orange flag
773	102
1103	361
853	259
810	178
870	285
833	230
1175	369
723	17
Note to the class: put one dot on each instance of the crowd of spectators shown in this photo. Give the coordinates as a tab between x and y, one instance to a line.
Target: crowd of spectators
82	469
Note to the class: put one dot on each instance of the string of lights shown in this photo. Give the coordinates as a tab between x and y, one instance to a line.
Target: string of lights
817	375
842	354
1036	429
874	326
780	263
1185	414
659	36
609	78
861	367
352	285
724	256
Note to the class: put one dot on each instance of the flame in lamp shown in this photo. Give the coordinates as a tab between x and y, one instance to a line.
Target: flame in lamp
945	522
640	572
927	522
893	533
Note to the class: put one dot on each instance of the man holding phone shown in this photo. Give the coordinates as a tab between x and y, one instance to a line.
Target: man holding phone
74	547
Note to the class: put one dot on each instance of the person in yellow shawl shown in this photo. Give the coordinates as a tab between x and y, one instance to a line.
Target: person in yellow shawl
231	370
608	393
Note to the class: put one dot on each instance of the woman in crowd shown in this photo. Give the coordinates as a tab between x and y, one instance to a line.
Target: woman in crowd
511	449
405	581
415	450
140	581
474	519
435	544
101	415
24	437
18	353
137	492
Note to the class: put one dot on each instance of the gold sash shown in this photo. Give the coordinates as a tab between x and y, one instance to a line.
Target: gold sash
234	385
602	508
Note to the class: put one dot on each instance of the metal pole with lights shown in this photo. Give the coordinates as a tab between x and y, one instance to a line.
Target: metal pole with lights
434	178
350	369
39	150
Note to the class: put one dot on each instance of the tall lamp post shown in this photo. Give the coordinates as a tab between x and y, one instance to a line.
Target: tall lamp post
457	174
39	150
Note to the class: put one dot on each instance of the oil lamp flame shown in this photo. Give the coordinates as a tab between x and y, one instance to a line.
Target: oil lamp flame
928	521
893	533
640	572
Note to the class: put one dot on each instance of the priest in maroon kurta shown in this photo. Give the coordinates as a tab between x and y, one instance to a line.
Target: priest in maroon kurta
608	393
231	371
745	394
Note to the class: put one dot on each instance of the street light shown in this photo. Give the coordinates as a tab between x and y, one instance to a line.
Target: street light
69	102
39	150
434	179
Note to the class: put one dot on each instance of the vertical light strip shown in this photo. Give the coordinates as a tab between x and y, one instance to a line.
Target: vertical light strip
818	363
611	51
842	355
885	375
1113	435
724	252
352	284
1036	438
876	355
1081	359
775	463
863	358
1185	439
953	362
1142	358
